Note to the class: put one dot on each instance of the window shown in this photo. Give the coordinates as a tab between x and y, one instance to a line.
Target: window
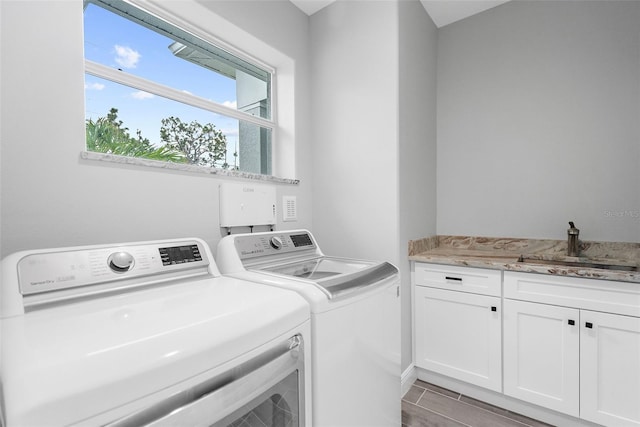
156	91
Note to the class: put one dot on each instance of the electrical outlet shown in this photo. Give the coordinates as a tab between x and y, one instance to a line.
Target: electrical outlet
289	208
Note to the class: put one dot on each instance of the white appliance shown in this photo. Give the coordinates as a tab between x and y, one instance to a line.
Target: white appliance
355	321
148	333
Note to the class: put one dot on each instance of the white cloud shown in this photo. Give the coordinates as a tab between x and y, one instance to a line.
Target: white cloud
141	95
126	57
231	132
94	86
231	104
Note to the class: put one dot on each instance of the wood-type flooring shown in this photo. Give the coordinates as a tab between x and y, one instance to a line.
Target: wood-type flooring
427	405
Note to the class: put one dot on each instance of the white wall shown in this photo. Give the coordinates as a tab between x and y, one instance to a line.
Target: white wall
51	198
417	144
354	87
538	112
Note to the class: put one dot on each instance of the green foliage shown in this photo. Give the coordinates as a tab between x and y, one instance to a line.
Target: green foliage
203	145
194	143
107	135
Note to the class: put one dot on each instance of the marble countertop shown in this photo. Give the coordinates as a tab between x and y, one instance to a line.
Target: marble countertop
542	256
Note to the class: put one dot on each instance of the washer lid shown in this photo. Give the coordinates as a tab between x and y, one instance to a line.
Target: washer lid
64	364
336	276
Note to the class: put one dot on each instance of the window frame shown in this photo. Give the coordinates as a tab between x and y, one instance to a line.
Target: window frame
122	77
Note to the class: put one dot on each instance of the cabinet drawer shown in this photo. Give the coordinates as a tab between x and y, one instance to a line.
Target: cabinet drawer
591	294
465	279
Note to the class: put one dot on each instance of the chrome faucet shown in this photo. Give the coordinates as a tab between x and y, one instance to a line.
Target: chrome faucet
572	242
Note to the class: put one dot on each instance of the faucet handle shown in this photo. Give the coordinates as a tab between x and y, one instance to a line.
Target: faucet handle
573	230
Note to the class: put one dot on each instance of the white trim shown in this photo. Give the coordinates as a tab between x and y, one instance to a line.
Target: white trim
204	21
409	376
160	11
172	18
115	75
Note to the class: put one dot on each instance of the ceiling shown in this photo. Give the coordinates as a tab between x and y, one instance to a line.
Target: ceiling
442	12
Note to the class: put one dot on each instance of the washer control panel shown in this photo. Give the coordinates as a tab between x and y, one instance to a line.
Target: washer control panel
55	270
265	244
276	242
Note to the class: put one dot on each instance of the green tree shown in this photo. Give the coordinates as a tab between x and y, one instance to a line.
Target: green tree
203	145
107	135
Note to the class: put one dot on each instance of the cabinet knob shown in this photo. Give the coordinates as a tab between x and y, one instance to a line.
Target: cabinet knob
588	325
494	308
572	322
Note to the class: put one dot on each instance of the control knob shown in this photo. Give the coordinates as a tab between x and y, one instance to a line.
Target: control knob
276	242
120	262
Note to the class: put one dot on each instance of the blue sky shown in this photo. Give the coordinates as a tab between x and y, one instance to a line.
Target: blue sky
117	42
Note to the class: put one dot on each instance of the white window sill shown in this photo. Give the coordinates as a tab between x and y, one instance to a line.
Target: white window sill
135	161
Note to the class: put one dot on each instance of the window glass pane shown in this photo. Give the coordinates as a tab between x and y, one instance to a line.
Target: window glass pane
123	120
197	136
150	48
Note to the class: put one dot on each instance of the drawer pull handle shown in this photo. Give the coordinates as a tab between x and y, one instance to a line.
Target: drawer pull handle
457	279
588	325
572	322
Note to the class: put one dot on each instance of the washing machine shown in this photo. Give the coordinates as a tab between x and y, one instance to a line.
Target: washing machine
355	321
148	333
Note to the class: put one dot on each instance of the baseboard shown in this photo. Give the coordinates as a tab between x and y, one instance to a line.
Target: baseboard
409	376
500	400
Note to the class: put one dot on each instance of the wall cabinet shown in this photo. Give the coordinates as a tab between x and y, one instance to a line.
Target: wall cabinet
574	360
458	323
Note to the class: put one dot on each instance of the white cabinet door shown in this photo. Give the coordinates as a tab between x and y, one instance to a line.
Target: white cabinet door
610	369
541	355
458	335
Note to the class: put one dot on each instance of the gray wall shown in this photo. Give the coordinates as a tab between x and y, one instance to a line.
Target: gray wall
417	144
354	87
373	85
51	198
538	111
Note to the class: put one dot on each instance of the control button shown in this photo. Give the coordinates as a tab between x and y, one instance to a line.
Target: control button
276	242
120	262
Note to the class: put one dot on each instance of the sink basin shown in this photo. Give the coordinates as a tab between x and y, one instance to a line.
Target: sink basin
579	263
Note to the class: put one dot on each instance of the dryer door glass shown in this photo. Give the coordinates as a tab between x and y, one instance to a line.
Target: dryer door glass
277	407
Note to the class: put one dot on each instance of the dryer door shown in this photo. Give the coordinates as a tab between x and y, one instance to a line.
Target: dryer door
265	391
